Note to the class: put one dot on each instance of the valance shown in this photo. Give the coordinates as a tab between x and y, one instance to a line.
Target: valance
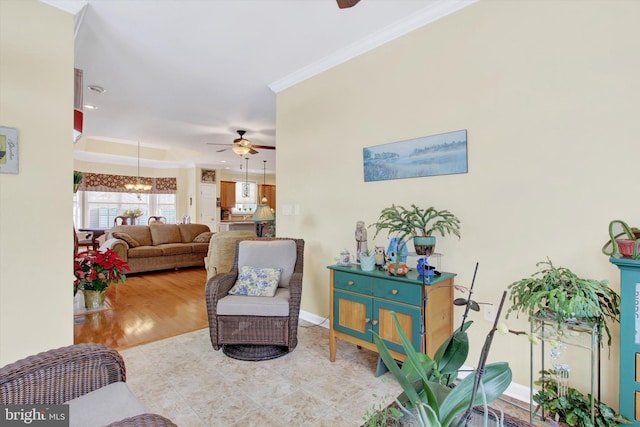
116	183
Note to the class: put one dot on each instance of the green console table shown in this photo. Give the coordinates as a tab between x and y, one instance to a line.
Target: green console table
362	301
629	338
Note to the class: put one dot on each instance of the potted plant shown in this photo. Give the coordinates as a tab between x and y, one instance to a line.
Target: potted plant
559	295
571	406
419	223
367	260
94	272
77	177
427	395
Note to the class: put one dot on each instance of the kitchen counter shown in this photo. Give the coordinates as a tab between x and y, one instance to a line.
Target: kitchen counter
226	225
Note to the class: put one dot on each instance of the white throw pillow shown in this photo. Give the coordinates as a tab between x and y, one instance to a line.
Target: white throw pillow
257	282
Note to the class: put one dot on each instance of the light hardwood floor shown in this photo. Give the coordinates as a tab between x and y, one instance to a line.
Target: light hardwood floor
147	307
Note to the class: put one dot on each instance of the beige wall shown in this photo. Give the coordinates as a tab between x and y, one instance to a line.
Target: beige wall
36	246
548	94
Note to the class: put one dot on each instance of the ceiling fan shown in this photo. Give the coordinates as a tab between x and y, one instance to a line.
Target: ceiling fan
344	4
242	146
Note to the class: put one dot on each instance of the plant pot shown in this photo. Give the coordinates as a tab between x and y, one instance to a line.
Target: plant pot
425	245
399	269
93	299
627	247
367	262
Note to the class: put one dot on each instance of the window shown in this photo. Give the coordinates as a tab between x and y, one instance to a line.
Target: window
98	209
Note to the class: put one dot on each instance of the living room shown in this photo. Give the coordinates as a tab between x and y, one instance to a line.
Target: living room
545	91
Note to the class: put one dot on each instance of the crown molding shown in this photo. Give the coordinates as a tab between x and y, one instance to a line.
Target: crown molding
438	9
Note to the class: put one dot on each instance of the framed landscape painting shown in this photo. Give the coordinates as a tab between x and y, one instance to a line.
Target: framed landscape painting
443	154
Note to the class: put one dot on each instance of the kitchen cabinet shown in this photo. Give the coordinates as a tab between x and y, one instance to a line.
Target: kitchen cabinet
362	302
227	194
270	192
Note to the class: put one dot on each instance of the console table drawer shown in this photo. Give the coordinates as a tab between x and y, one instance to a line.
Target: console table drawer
353	282
397	291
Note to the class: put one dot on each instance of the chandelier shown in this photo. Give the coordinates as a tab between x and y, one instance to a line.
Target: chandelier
138	186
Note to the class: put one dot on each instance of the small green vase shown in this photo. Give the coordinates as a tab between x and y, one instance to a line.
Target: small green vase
93	299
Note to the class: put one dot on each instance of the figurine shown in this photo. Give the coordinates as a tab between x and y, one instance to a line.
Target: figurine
397	250
380	258
361	239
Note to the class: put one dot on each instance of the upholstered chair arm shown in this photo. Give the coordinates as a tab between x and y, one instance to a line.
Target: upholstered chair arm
217	287
295	297
119	246
59	375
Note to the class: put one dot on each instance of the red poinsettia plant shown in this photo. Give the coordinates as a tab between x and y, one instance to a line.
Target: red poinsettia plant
95	271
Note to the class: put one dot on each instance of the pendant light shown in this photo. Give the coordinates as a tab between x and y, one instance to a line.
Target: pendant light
264	199
138	186
245	186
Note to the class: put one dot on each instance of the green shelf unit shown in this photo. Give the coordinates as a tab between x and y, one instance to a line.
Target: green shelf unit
629	338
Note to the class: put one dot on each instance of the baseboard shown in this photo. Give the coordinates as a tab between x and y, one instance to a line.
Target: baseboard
514	391
316	320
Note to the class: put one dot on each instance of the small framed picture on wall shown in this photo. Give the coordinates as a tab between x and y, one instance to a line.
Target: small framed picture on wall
8	150
208	175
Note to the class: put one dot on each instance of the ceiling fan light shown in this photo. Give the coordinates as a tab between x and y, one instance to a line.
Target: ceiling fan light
240	150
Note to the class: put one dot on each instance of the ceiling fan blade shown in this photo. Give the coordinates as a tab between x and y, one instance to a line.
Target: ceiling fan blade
224	149
264	147
344	4
215	143
252	151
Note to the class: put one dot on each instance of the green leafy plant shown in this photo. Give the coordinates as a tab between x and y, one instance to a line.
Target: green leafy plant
559	294
382	415
572	407
416	221
423	379
77	177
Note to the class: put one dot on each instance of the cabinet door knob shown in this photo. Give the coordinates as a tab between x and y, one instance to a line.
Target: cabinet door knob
367	320
375	322
350	283
394	291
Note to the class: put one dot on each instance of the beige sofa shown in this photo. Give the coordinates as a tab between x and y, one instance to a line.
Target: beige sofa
160	246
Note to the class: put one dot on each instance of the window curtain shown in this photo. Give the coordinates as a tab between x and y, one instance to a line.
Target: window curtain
116	183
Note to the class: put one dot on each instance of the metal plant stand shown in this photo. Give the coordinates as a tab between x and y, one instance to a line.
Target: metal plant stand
594	329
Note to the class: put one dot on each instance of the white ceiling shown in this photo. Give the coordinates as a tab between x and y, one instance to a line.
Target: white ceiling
180	74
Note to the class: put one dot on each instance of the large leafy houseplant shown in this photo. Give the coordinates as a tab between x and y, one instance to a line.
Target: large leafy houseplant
95	271
559	295
423	379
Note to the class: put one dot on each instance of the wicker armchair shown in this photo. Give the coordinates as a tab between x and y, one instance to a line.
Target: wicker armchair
56	376
255	326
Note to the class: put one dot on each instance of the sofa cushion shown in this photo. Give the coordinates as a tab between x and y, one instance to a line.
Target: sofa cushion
175	248
140	233
237	305
256	282
165	233
199	247
203	237
188	232
144	251
272	253
104	406
127	238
